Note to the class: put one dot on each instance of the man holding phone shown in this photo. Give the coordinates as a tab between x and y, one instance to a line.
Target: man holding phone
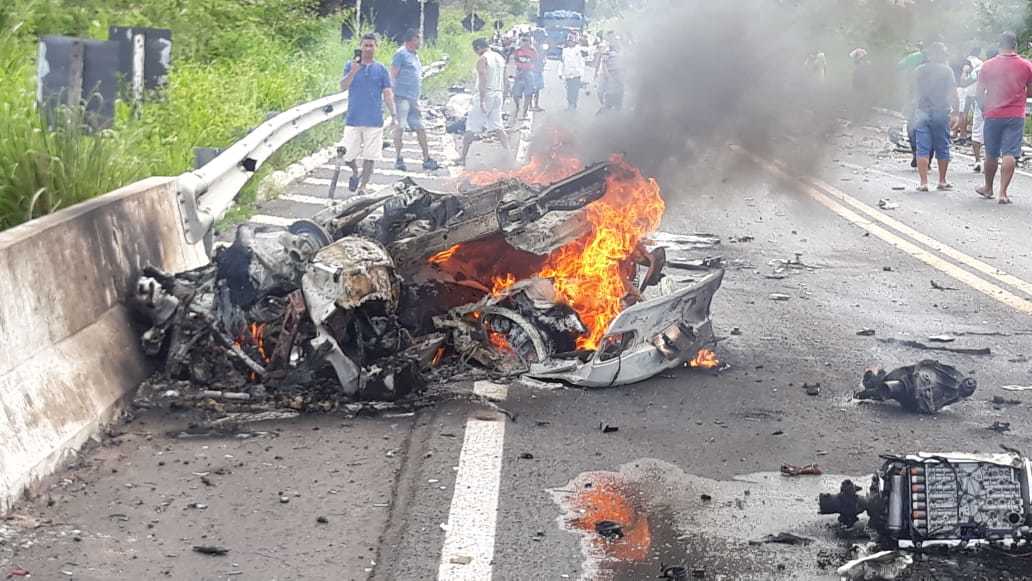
369	86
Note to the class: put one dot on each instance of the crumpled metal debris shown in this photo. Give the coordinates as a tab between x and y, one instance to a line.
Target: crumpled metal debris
350	305
879	565
926	387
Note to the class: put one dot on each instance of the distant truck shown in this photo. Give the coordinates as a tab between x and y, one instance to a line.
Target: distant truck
559	18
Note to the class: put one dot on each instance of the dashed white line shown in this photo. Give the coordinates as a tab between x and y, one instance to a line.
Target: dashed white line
468	552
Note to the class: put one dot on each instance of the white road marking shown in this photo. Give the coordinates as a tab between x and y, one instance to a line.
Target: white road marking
421	173
271	220
840	203
302	199
468	552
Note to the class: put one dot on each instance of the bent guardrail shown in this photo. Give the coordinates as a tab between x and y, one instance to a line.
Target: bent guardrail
206	194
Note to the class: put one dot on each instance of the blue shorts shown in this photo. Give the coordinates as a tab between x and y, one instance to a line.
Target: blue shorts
932	131
539	80
524	85
409	114
1003	136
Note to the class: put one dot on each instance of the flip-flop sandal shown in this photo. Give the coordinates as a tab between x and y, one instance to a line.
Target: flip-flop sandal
944	187
922	188
988	195
1004	201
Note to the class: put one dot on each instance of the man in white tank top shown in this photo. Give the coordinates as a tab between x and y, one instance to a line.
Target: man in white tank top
486	116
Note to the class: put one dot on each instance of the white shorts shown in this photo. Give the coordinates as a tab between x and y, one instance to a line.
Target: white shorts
978	126
364	143
481	122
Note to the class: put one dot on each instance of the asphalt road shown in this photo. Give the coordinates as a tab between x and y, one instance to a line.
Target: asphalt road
692	472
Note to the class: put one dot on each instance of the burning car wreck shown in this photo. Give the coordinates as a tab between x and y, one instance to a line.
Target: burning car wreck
555	277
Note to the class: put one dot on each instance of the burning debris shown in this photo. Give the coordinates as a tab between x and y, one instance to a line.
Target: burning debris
555	275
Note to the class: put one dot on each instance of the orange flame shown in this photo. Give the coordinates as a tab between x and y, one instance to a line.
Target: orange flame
706	359
437	357
500	284
444	255
258	340
498	341
588	274
539	171
611	499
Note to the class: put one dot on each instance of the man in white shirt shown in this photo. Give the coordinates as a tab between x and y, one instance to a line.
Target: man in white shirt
573	70
486	116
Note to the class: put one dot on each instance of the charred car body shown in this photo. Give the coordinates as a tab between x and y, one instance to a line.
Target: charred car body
364	298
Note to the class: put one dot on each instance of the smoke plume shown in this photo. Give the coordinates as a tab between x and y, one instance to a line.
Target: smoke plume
702	74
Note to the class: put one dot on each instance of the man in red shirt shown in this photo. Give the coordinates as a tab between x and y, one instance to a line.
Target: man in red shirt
524	87
1003	86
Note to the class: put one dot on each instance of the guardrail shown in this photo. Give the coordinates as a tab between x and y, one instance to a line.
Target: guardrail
206	194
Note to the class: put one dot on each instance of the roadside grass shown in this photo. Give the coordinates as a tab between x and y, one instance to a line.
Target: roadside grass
225	81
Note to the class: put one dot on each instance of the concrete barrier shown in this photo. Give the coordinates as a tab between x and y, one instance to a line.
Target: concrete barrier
68	353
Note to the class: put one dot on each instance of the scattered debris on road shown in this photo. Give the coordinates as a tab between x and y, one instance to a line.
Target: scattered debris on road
793	470
210	550
887	204
922	346
926	387
1000	427
884	565
1017	387
783	539
942	287
609	530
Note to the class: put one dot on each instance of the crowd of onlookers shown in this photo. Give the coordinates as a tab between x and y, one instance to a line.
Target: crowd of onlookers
513	69
966	100
586	59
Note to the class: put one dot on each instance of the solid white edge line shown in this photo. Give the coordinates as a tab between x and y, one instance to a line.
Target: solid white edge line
468	551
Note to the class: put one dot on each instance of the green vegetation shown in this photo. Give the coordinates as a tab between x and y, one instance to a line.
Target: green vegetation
234	62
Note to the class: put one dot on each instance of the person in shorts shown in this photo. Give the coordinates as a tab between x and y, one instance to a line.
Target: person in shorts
407	77
369	86
1003	85
610	69
524	85
486	116
935	91
539	80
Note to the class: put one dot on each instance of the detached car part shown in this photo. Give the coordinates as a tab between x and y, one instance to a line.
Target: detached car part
925	388
644	340
948	497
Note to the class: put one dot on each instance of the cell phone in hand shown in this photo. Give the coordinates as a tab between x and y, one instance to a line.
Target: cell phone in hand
358	54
